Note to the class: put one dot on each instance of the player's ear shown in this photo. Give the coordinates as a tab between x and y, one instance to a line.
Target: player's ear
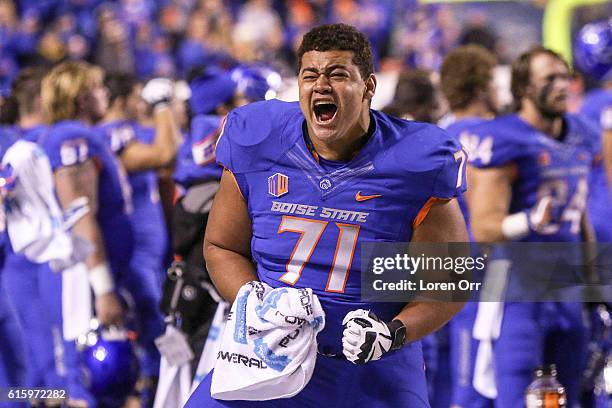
370	84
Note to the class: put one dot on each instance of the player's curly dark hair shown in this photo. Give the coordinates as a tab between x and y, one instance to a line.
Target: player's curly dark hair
339	37
521	71
464	72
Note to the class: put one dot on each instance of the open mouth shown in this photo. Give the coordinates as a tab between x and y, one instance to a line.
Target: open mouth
325	112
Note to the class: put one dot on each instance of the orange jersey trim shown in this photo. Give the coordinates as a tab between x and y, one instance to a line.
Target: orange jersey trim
420	217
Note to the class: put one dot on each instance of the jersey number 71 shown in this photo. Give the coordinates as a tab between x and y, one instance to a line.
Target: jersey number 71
310	232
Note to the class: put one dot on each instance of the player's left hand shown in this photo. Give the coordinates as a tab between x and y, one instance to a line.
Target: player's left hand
367	338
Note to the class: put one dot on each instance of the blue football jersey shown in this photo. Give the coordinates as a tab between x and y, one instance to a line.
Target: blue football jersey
117	135
147	215
544	167
309	220
196	156
71	142
144	184
597	107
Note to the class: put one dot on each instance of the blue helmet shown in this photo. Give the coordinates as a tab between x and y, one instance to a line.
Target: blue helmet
593	50
109	366
256	82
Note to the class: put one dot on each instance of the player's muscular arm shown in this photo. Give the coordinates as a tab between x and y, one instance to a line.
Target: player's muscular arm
141	156
444	223
488	199
77	181
227	240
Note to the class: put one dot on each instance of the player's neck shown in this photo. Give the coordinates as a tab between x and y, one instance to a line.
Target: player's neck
346	147
551	126
30	120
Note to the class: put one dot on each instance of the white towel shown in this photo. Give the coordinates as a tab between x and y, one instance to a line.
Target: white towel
487	326
269	345
76	301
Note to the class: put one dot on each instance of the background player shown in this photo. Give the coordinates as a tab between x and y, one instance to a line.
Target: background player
214	92
74	96
467	82
41	257
142	151
531	186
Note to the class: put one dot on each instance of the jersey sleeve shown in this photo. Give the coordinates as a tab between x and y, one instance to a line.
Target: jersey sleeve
68	146
451	179
434	162
205	132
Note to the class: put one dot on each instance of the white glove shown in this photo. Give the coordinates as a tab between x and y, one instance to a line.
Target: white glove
367	338
158	91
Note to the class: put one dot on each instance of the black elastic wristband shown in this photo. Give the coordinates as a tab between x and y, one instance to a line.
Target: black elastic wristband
398	333
165	101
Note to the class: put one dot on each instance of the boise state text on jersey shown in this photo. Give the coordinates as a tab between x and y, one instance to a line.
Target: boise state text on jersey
309	222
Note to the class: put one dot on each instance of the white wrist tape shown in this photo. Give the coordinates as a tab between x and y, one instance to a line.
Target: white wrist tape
515	226
101	279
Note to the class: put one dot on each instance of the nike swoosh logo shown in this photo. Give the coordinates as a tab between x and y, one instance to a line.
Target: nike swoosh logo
360	197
